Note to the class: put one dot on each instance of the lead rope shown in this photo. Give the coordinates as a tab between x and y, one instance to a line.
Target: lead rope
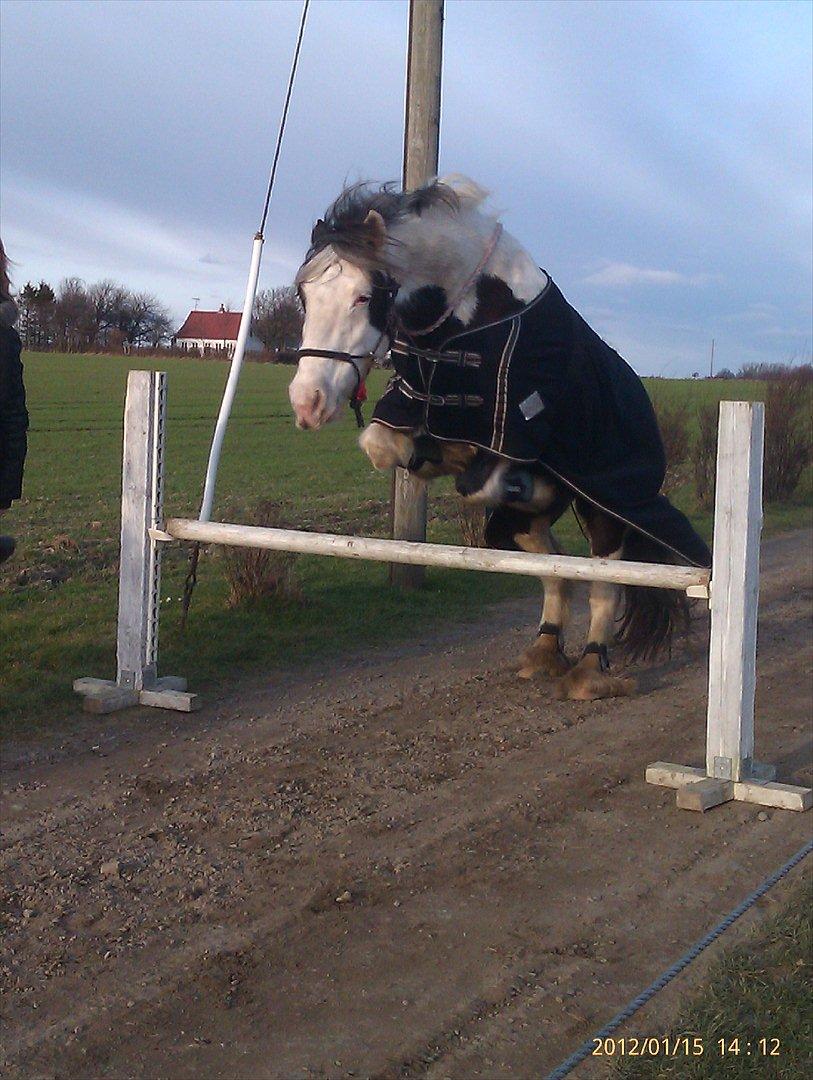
470	280
194	553
190	582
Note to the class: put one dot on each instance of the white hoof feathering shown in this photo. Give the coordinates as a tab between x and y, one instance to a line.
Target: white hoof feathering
386	448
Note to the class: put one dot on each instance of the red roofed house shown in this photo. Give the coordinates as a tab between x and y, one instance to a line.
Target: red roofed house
213	331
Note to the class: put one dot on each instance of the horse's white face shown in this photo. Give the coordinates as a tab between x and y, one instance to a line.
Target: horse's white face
337	317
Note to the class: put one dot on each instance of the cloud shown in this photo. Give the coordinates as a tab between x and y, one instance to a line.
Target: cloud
757	312
621	275
51	230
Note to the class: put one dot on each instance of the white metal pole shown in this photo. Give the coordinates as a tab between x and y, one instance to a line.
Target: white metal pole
231	382
251	291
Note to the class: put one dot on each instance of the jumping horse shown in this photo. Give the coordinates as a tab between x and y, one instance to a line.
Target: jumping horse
501	384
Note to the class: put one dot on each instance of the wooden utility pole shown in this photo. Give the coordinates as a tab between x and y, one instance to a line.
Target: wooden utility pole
421	140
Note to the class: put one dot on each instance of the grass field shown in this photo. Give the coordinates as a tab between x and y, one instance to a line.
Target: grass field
58	595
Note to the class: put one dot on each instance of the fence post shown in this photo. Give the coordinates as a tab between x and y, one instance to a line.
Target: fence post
730	771
141	510
735	591
421	141
140	561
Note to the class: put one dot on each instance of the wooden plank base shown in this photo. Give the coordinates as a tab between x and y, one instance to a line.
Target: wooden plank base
696	791
101	696
170	699
106	696
703	794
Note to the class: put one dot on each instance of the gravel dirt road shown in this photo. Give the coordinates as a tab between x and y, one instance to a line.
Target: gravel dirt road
405	864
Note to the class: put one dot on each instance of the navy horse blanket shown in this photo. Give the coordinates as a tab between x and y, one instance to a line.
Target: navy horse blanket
541	388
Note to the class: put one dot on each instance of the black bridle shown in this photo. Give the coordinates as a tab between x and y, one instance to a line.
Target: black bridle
349	358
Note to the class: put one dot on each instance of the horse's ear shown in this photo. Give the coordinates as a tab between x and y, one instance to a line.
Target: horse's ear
317	229
375	229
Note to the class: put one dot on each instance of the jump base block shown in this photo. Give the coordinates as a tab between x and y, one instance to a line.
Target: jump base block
106	696
697	791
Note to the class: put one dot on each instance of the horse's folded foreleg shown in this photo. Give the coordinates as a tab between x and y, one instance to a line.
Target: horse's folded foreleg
424	456
385	447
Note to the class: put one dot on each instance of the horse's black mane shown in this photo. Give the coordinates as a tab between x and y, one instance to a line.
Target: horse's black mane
344	229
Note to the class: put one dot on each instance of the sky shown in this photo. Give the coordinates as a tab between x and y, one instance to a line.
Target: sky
655	157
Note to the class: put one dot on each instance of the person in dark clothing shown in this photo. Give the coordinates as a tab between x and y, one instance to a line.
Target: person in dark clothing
13	413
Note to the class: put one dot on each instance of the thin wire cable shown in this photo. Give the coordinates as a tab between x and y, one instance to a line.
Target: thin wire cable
284	118
587	1047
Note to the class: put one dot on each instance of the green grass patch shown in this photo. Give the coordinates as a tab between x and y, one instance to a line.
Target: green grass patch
58	595
754	1014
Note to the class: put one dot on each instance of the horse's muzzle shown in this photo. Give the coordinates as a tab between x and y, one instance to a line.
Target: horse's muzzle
311	408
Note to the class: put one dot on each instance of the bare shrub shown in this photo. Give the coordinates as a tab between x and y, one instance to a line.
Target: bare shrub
673	421
255	575
704	465
796	372
788	434
472	522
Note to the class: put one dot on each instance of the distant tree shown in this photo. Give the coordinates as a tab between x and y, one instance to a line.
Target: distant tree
82	317
106	299
27	319
725	373
158	327
278	318
142	320
36	304
73	317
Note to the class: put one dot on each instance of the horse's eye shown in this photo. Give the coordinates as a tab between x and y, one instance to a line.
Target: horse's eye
361	300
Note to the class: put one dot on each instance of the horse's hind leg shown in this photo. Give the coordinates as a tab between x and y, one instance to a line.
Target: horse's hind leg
590	678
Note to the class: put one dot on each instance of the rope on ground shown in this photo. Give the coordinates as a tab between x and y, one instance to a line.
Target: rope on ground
586	1049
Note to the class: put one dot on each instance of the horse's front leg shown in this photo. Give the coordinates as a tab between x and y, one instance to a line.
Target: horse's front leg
590	678
511	529
546	656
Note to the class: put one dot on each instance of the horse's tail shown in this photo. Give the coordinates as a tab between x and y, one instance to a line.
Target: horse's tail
651	617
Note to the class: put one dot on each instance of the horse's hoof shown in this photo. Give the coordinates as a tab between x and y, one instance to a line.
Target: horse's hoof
545	657
587	682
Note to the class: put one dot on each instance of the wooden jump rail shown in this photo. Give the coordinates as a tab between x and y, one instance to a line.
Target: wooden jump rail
411	553
732	589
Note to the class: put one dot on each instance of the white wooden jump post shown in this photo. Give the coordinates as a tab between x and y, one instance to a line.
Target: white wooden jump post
733	587
142	485
730	771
